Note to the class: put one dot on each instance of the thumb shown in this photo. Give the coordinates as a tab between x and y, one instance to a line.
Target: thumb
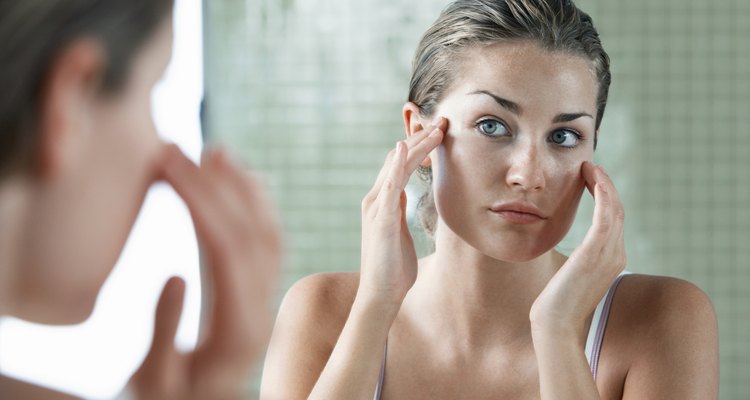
167	318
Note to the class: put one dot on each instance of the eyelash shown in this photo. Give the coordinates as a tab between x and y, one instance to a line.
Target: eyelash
499	121
579	137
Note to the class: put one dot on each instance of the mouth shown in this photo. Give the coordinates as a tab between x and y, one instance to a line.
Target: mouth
518	212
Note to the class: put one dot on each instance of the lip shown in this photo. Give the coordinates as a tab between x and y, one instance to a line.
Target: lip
518	212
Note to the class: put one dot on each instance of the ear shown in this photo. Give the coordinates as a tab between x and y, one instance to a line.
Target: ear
413	124
67	96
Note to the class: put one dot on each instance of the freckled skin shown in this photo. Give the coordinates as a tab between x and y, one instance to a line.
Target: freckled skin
473	171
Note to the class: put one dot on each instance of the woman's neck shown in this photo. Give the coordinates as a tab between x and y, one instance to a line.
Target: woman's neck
475	297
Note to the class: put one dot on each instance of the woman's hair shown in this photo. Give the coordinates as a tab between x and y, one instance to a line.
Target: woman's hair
556	25
33	32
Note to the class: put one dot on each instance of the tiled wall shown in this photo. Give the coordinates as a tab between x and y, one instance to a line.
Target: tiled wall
310	92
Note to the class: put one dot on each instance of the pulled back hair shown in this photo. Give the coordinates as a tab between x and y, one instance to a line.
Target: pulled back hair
556	25
32	34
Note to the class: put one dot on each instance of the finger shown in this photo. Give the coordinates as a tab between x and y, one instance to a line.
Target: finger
206	195
229	169
617	206
229	183
588	171
166	320
419	151
373	193
188	181
251	276
389	197
598	234
617	213
415	142
419	146
417	137
248	193
615	249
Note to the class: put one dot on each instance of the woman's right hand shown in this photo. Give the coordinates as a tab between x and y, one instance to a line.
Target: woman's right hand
389	261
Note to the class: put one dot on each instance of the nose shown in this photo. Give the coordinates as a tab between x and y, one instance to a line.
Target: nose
526	171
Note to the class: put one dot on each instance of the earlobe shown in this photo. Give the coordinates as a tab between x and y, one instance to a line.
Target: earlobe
67	95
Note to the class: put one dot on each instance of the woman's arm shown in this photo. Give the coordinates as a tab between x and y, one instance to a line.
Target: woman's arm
669	325
667	334
559	313
389	269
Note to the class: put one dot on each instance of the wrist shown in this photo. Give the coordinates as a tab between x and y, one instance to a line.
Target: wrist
550	330
375	308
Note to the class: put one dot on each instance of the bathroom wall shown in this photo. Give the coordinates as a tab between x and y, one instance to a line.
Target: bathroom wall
310	93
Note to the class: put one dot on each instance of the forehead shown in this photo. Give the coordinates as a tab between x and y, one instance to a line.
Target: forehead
525	73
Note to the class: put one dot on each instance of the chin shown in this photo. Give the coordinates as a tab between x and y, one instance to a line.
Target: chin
515	254
509	245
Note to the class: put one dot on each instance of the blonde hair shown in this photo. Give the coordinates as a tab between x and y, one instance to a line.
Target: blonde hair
556	25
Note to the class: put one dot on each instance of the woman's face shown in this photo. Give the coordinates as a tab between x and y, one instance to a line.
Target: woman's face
82	216
507	177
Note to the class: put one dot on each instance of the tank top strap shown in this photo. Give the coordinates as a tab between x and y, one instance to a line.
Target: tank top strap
379	386
599	325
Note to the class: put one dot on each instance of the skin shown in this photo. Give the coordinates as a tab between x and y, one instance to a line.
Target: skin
69	216
495	311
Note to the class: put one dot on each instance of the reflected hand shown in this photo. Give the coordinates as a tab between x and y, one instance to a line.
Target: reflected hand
575	290
240	243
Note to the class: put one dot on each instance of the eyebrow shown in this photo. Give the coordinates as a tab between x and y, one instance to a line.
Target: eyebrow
516	109
504	103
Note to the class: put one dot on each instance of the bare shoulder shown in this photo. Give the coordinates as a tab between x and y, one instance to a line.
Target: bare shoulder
662	305
321	302
309	322
665	332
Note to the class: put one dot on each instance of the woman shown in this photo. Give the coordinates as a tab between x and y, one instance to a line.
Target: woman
78	151
505	104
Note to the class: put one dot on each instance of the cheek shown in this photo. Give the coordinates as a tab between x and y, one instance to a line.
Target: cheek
566	186
465	156
462	169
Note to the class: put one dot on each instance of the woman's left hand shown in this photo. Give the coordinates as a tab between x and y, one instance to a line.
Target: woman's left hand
575	290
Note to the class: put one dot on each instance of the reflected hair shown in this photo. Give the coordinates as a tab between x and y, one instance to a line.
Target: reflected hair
32	35
555	25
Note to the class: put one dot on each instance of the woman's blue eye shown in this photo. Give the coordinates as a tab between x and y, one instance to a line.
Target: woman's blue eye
565	138
490	127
